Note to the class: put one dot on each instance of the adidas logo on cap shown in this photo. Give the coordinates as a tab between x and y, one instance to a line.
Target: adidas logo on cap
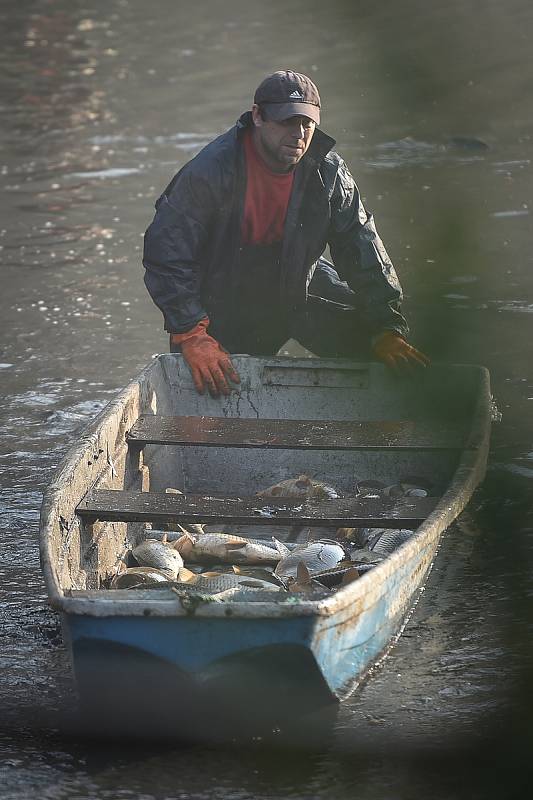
286	93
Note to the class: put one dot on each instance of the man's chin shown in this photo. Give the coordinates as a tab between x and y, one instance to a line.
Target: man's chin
291	160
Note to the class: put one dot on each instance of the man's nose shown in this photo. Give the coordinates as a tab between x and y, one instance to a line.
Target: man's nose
297	129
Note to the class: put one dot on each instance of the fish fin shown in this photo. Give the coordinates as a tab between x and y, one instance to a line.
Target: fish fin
184	530
197	528
345	533
186	575
169	490
281	548
185	537
236	545
164	539
302	573
184	544
350	576
237	570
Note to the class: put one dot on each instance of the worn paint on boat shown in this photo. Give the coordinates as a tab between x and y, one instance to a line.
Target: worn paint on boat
306	650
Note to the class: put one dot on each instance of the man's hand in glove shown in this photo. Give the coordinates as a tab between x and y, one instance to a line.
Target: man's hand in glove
395	352
209	363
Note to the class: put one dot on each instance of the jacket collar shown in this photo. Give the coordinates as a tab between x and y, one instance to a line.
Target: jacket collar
320	145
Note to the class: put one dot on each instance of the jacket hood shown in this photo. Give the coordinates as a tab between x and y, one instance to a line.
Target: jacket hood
320	145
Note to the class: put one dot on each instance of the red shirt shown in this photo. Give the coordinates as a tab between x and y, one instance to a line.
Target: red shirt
266	200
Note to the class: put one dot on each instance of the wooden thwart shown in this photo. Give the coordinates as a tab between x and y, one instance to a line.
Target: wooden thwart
130	506
293	434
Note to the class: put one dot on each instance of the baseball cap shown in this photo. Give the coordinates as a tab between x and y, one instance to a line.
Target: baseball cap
288	94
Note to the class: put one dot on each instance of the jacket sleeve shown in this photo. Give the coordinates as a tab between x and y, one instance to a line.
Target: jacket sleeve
174	248
361	259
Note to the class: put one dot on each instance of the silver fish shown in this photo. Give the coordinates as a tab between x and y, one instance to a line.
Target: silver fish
152	553
302	486
227	548
135	577
416	491
250	595
361	536
386	540
405	490
406	487
316	556
220	582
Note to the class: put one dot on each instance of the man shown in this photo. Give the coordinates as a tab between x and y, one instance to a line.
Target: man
236	247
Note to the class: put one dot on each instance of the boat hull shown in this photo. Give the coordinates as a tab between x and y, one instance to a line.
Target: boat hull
135	650
208	668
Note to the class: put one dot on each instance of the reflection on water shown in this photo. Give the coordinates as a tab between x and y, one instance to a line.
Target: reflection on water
431	107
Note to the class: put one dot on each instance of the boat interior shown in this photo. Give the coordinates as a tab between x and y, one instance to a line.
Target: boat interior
338	422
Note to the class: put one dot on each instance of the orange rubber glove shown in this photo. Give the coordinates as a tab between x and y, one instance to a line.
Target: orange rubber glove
209	363
395	352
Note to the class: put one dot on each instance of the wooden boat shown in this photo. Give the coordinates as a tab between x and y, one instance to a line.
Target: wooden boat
338	421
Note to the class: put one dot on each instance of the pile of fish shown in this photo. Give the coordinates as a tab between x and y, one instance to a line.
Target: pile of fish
201	564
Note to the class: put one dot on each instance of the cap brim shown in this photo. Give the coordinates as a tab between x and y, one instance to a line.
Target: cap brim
280	111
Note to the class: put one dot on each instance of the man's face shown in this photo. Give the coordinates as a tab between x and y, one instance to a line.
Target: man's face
282	144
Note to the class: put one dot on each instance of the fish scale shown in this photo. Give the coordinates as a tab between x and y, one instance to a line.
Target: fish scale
317	556
228	548
152	553
386	541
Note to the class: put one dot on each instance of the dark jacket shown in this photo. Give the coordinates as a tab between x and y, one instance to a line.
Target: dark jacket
191	249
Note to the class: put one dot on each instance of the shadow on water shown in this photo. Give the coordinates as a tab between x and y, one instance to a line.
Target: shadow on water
308	758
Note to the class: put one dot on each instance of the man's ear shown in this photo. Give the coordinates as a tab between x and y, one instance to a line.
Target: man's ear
256	116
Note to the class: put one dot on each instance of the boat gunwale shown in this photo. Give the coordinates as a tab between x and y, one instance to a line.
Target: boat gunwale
464	480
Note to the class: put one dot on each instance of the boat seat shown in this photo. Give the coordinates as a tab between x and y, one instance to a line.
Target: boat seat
160	507
294	434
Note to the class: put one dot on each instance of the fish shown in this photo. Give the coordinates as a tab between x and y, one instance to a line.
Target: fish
382	541
303	583
405	490
346	533
186	575
135	577
220	582
302	486
406	487
336	576
415	491
365	556
386	540
316	556
261	573
189	595
152	553
250	595
364	567
227	548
